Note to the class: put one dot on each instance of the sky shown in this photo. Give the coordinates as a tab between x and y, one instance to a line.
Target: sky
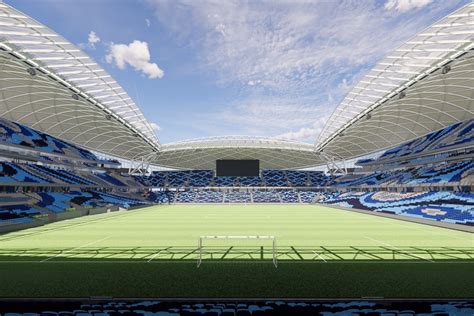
201	68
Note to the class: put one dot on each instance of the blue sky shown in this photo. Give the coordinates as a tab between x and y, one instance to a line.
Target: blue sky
213	68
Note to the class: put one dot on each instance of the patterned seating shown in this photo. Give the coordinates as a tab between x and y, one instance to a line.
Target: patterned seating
237	307
250	181
186	197
225	181
237	197
209	197
21	135
266	197
297	178
200	178
289	196
451	207
274	178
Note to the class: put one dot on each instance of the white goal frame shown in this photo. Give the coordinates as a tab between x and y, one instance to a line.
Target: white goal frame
272	238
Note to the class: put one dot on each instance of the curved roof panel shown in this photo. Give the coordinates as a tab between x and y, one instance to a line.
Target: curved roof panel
272	153
420	59
54	57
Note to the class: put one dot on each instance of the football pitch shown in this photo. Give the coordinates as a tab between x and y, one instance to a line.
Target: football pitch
161	243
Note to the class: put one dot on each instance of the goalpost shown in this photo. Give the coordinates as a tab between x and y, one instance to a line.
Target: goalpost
271	238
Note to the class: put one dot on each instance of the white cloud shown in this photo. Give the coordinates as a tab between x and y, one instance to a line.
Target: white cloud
135	54
155	127
93	38
299	55
148	23
306	133
253	82
406	5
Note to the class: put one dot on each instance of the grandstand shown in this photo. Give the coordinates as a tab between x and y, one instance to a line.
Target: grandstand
53	185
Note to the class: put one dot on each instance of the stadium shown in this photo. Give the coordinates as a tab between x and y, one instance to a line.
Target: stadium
95	209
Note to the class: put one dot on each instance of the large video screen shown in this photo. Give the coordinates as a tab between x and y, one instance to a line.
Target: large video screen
237	168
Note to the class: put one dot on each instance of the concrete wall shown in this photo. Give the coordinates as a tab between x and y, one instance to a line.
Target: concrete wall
19	226
54	217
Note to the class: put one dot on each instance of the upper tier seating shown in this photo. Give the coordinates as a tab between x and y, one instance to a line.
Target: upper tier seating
442	173
274	178
61	175
106	177
225	181
200	178
461	133
10	172
177	178
17	134
297	178
249	181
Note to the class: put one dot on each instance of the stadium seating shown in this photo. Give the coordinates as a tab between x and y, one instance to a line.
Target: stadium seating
177	178
275	178
200	178
297	178
307	196
111	180
161	197
209	197
107	307
451	207
237	197
16	134
90	186
10	173
225	181
186	197
266	197
250	181
461	133
289	196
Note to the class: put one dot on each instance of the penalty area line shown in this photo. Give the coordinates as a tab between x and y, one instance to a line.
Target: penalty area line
318	255
398	249
93	242
156	254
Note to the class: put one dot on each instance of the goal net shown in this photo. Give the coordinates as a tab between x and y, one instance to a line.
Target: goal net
237	247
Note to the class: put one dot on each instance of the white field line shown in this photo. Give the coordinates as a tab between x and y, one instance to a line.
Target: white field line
236	261
381	242
61	253
156	254
318	255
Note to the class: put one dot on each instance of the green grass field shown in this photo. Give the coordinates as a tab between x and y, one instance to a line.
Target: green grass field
121	253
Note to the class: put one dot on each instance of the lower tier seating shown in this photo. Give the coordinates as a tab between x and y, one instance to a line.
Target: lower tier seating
19	208
450	207
239	307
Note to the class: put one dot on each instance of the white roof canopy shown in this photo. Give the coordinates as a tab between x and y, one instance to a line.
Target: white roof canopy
27	43
49	84
407	94
272	153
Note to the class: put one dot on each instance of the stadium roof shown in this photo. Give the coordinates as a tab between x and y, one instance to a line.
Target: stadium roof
51	85
424	85
272	153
